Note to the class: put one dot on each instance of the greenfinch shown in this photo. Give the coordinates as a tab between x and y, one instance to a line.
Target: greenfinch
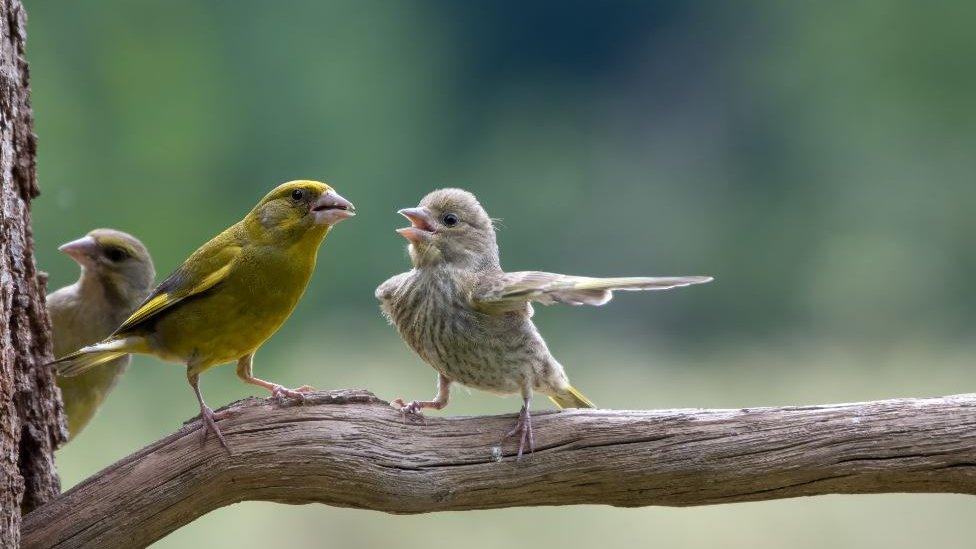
472	322
231	294
116	276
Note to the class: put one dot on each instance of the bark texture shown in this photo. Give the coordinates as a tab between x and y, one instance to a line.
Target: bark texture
350	449
31	425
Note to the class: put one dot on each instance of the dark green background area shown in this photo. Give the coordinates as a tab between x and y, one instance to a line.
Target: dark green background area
816	157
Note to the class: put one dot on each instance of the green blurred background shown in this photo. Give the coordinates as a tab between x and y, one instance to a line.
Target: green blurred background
816	157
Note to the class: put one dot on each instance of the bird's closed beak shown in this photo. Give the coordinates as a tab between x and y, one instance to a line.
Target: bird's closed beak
331	208
81	250
421	227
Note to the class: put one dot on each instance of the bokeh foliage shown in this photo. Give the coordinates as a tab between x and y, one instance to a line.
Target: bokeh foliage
816	157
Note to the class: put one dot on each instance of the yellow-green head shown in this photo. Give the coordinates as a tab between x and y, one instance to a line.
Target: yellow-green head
296	209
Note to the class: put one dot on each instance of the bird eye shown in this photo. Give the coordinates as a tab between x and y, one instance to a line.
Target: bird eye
450	219
297	194
116	254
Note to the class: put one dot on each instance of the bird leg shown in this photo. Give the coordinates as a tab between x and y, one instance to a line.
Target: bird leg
244	365
523	428
207	416
415	408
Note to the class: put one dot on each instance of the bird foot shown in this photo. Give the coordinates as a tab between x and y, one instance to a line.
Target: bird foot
412	411
281	392
523	429
208	423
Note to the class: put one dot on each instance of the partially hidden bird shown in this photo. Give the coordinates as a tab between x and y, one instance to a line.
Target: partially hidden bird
116	276
230	295
472	321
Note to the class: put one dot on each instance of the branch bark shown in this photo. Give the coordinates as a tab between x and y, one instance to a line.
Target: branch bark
31	425
350	449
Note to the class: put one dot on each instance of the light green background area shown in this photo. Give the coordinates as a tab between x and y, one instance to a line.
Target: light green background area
817	158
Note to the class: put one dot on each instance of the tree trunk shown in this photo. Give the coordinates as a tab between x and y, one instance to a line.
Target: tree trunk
31	422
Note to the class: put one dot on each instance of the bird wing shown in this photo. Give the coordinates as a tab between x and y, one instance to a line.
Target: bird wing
512	290
203	270
386	290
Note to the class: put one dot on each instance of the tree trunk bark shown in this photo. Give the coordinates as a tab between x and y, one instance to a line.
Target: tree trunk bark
31	422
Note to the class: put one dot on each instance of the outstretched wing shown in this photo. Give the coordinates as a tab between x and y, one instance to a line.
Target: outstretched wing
512	290
203	270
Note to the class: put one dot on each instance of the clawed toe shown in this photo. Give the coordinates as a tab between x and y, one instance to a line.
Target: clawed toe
209	424
282	393
523	429
412	411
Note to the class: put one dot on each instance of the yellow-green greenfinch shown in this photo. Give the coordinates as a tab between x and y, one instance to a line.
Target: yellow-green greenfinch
231	294
116	275
471	321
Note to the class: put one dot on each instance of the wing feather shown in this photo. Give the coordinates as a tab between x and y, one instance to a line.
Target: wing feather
210	265
512	290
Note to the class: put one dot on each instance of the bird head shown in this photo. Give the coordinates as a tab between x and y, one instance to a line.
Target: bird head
450	226
297	208
117	260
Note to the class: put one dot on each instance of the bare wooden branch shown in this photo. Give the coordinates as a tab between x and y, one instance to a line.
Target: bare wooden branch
350	449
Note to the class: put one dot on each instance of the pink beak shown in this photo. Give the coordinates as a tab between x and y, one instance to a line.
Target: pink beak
420	228
331	208
81	250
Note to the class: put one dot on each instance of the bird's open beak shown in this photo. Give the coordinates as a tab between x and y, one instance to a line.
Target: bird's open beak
331	208
81	250
421	227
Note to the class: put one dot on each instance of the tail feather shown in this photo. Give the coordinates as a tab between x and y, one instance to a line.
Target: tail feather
571	398
89	357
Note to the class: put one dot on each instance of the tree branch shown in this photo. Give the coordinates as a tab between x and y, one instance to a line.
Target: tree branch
350	449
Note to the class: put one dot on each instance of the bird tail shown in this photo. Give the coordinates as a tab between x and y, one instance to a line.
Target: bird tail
571	398
86	358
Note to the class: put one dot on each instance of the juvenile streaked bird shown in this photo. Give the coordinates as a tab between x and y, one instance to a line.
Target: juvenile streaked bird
472	321
116	276
231	294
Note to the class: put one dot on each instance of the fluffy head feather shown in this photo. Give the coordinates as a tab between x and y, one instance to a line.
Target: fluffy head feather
450	226
113	262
